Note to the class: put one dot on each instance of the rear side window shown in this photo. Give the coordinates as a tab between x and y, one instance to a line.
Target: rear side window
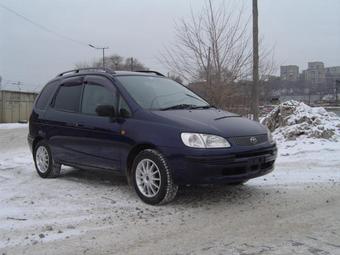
45	96
68	98
95	95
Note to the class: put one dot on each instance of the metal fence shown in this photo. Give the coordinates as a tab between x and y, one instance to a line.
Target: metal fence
15	106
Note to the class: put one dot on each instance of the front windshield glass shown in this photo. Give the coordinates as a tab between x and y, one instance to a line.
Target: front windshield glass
156	93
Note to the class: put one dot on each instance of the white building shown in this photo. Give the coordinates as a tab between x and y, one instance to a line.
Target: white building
315	73
289	73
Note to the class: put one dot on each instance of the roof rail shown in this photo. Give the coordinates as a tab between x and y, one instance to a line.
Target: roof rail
105	70
150	71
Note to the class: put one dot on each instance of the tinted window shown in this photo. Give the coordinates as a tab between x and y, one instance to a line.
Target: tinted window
45	96
68	98
95	95
158	93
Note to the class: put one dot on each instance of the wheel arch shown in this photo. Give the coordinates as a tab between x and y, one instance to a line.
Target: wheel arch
36	141
132	155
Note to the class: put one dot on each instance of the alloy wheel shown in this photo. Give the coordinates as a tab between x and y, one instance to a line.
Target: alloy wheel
148	178
42	159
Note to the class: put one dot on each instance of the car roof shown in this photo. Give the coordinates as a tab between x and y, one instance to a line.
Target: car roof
91	70
117	73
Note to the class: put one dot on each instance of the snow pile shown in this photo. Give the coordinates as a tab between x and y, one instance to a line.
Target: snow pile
294	120
13	125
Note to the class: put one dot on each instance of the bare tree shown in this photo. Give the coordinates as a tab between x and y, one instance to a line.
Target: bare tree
212	45
213	49
115	62
176	78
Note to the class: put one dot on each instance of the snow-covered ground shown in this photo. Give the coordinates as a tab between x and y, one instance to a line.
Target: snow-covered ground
12	125
294	210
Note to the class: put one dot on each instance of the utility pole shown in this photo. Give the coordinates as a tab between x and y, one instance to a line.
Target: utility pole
337	90
103	57
131	64
255	87
100	48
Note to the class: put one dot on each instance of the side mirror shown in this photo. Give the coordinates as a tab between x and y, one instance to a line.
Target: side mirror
124	113
106	111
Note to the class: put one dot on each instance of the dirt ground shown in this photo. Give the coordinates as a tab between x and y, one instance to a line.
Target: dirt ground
294	210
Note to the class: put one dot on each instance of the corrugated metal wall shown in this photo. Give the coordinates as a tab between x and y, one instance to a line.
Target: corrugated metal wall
15	106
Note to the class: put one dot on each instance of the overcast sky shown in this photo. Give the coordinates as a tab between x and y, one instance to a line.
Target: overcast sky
301	30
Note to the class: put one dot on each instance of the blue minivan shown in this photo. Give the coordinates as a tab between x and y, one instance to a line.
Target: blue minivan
149	128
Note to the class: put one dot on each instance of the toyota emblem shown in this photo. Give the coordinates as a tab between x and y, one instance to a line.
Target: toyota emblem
253	140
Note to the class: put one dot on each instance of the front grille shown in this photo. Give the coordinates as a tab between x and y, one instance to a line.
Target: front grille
248	140
248	154
239	170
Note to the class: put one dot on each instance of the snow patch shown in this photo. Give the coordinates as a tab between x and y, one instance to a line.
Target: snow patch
293	120
13	125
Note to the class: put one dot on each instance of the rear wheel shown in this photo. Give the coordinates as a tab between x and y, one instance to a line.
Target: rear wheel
152	178
44	163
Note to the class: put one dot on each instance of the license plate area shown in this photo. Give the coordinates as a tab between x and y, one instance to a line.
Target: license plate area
255	164
257	160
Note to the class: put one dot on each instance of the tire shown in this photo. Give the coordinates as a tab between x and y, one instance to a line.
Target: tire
155	173
43	160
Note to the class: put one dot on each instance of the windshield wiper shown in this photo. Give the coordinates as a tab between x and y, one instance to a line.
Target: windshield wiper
178	107
187	106
203	107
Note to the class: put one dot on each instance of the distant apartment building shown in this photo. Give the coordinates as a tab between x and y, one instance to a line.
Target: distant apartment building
317	83
332	74
315	73
289	73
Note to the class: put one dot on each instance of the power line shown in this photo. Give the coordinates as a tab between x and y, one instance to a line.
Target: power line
42	27
21	84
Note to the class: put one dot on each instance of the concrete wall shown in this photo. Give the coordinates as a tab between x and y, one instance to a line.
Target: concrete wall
15	106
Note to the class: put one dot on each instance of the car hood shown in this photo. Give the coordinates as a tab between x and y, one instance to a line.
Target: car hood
212	121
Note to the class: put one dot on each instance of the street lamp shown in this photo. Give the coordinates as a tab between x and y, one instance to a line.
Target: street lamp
100	48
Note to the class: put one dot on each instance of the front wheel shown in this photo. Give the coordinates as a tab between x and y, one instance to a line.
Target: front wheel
44	163
152	178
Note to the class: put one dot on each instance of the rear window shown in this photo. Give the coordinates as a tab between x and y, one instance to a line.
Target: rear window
45	96
68	98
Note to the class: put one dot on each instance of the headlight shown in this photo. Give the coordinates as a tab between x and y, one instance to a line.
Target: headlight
196	140
270	136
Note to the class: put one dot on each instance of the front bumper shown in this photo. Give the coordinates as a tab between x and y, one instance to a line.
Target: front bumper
222	166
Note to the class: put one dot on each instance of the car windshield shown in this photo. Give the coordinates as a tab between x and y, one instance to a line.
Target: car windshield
156	93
